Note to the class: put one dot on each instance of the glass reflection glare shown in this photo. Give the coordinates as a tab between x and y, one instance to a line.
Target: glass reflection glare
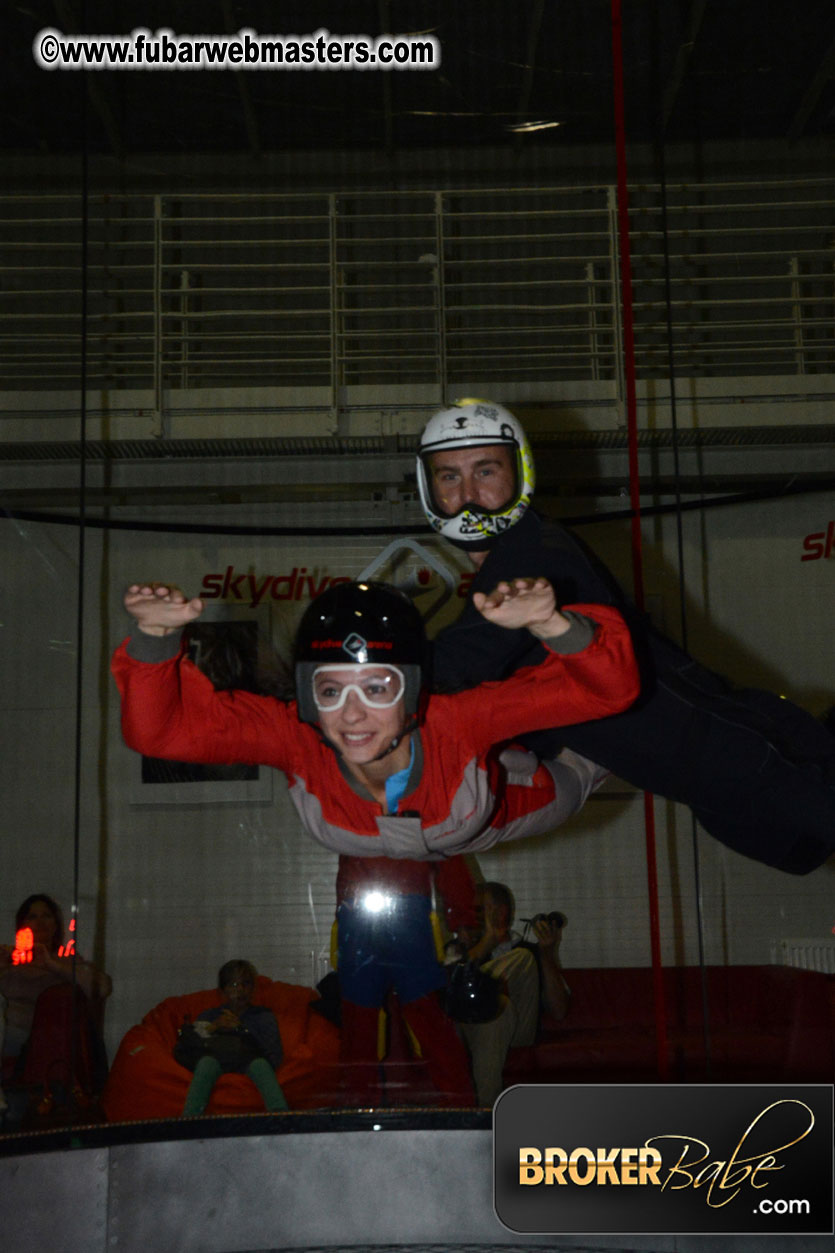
377	902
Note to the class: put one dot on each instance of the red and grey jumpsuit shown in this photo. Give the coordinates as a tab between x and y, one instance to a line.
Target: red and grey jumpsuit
462	795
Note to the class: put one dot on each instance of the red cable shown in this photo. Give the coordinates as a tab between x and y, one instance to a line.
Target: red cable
662	1046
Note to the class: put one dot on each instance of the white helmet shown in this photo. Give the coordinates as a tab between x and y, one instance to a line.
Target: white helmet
475	424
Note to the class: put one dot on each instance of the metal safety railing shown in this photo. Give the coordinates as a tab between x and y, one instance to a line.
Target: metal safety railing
445	288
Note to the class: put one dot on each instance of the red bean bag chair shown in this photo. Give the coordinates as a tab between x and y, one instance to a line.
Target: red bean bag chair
146	1082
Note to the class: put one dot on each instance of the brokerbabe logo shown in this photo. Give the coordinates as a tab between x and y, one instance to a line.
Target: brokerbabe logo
665	1158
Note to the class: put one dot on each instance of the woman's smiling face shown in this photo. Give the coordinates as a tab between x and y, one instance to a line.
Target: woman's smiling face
361	709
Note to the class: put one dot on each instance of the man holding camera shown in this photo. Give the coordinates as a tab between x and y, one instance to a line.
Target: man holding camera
531	979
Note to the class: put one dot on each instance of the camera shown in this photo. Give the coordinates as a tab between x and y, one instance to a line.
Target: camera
555	917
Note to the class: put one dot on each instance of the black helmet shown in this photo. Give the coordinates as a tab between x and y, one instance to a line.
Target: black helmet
365	623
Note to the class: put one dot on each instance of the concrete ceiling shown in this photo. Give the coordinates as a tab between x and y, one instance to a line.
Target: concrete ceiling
696	70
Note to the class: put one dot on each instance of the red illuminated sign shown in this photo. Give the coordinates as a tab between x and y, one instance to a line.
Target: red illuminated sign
67	950
24	942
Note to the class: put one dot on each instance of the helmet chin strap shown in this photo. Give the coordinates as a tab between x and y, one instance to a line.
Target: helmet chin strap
475	545
411	725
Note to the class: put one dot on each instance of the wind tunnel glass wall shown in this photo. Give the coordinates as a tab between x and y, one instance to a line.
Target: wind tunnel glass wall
183	868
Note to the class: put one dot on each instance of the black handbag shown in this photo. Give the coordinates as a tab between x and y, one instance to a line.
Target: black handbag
473	994
233	1050
189	1046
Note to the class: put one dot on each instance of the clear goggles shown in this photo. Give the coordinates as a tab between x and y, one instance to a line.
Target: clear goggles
378	687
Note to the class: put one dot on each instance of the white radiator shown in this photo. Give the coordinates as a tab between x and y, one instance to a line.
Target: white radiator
807	954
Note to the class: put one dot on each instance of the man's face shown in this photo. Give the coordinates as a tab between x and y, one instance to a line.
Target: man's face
482	478
491	913
238	992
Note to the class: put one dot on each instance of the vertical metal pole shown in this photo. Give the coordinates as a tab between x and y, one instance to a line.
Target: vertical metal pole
159	418
662	1043
617	322
797	316
440	298
335	326
184	328
591	298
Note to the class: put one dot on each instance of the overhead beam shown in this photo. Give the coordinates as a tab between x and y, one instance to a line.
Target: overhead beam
526	85
824	72
250	121
94	83
684	56
550	498
384	19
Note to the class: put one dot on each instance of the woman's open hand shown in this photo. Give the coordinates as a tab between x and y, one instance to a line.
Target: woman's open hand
160	608
527	603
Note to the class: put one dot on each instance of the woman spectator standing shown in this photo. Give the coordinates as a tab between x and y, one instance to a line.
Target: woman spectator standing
37	1011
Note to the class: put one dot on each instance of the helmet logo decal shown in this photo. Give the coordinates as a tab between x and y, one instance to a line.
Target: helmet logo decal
486	411
472	523
477	524
354	644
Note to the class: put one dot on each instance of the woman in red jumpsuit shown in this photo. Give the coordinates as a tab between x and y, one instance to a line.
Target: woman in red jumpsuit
376	767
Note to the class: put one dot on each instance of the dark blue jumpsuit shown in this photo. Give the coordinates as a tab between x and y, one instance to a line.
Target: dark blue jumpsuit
756	770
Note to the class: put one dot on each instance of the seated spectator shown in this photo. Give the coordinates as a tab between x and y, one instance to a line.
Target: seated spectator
37	1011
236	1037
146	1080
531	982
